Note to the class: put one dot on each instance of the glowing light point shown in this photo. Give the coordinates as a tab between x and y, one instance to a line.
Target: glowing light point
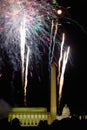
59	11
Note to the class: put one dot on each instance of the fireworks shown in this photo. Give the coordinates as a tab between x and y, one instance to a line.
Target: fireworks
61	67
28	28
25	24
11	18
37	16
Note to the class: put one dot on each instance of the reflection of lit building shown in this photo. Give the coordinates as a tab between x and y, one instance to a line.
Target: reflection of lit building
32	116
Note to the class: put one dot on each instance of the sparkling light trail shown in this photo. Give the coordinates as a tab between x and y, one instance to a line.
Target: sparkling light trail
22	48
60	58
53	34
26	76
62	66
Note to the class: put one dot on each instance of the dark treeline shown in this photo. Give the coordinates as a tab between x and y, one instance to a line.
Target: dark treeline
64	124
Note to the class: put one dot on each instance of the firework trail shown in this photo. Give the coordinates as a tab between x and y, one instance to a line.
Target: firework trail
50	46
54	30
26	75
63	58
22	47
24	63
60	58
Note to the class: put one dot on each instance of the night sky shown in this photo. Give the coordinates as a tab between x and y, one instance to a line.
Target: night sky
74	89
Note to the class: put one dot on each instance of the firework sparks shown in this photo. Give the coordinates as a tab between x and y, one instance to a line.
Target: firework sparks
62	66
22	47
50	46
25	24
26	75
54	30
34	17
60	58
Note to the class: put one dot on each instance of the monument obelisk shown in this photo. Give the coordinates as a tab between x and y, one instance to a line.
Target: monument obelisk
53	95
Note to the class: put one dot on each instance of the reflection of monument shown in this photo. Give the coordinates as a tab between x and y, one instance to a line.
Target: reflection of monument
32	116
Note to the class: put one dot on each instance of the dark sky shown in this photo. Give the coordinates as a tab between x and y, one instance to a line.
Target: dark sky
74	89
